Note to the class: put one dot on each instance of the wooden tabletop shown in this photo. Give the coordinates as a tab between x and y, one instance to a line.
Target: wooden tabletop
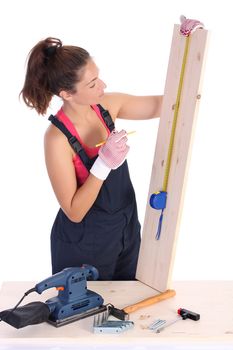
213	300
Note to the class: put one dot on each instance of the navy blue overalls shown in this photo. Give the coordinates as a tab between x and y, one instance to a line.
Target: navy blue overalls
108	237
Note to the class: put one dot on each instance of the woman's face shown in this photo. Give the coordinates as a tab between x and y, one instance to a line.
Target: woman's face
90	89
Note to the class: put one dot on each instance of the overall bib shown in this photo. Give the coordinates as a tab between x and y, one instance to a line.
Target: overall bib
108	237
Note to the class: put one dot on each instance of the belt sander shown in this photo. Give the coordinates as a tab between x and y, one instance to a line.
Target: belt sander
73	302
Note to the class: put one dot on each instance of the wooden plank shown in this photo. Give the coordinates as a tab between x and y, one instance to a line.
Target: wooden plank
156	256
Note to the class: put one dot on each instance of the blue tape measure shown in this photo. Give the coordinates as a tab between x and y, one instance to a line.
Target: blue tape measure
158	200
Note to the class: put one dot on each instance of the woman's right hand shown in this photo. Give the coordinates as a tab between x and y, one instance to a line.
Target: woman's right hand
111	155
115	149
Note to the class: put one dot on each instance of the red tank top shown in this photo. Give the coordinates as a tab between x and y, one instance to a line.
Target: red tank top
81	171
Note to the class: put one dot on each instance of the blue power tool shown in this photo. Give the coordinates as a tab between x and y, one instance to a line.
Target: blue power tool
74	301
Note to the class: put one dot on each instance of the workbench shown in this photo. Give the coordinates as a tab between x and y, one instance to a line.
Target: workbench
213	300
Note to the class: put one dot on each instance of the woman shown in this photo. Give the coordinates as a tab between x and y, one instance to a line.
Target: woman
97	223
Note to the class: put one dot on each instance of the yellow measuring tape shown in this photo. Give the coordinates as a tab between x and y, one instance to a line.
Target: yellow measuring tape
177	105
158	199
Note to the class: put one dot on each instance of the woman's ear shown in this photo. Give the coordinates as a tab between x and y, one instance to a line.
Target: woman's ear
65	95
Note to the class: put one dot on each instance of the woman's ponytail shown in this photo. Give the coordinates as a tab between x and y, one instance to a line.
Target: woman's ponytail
51	68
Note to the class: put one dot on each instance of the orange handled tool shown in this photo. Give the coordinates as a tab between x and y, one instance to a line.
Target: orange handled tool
123	314
149	301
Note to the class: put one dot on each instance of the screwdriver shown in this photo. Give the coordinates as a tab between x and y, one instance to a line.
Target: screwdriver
183	315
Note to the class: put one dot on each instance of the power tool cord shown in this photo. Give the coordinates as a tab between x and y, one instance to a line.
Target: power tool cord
25	294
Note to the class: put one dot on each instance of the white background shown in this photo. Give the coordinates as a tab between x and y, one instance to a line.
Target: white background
130	42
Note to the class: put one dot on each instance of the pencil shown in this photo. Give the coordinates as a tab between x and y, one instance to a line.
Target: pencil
103	142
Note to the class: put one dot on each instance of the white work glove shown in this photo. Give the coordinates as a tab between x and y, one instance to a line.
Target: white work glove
111	155
188	26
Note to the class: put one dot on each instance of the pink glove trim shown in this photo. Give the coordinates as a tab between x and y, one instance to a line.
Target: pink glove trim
99	169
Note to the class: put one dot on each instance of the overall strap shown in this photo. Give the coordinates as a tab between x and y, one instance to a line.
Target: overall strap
107	118
73	141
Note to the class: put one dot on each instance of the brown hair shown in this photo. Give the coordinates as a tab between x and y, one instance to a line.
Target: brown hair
51	68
